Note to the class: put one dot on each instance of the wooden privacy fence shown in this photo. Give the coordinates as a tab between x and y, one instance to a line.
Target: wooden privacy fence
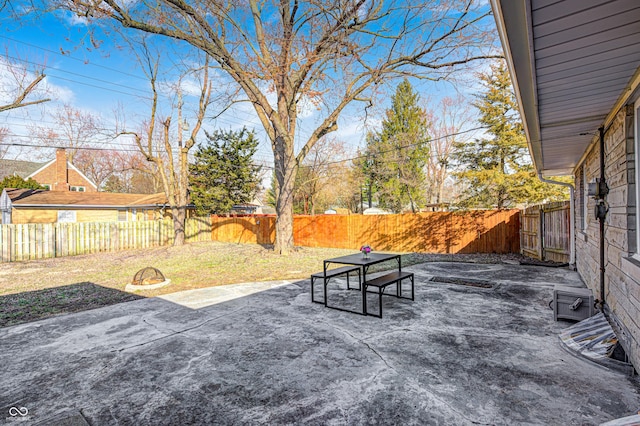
46	240
546	232
438	232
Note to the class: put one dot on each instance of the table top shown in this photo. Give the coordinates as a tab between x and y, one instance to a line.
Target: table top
360	260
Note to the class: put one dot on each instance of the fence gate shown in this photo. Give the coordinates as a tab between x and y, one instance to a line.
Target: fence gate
545	232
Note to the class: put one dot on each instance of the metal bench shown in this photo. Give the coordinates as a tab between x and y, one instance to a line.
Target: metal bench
385	280
326	276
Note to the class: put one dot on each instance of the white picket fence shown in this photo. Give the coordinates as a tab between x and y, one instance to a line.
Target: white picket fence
47	240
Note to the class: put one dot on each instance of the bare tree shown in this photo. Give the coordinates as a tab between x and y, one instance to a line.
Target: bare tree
316	172
99	166
165	146
22	86
325	53
19	87
452	115
3	148
73	129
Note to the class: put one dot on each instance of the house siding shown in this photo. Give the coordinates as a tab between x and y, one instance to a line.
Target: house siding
32	215
622	275
22	216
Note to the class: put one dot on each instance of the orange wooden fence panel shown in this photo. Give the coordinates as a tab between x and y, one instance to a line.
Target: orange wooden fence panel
438	232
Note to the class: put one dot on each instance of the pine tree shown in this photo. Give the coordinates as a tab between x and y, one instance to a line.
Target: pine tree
496	171
18	182
395	157
223	173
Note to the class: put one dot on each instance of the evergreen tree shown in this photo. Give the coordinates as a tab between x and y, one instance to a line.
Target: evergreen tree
496	171
223	173
18	182
272	192
395	156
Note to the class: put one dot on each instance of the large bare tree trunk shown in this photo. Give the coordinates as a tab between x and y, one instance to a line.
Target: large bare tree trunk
179	219
286	170
284	221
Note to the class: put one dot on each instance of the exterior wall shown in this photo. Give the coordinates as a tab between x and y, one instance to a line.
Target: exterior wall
622	273
60	177
96	215
48	176
21	216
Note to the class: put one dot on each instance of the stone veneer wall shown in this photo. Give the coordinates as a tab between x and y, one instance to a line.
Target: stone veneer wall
622	272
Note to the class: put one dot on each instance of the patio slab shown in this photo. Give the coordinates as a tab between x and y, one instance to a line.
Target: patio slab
456	355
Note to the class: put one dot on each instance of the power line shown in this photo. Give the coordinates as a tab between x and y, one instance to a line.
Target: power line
408	146
84	62
16	59
130	148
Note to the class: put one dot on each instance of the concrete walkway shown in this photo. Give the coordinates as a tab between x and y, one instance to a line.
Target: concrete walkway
456	355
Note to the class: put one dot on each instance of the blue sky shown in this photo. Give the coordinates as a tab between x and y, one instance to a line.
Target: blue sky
99	80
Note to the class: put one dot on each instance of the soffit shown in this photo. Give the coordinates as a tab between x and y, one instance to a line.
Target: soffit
572	62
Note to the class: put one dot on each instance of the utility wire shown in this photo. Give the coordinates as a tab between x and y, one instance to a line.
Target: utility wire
265	166
84	62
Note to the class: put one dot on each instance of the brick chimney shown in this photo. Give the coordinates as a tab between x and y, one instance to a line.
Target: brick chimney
62	175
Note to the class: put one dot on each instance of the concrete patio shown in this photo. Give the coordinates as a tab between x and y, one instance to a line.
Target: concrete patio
236	355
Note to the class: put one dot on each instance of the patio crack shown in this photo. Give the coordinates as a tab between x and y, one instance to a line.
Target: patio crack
361	341
173	332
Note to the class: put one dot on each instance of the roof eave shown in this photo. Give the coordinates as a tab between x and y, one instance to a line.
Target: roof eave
514	27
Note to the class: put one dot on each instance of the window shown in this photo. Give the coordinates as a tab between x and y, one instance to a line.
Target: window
122	215
77	188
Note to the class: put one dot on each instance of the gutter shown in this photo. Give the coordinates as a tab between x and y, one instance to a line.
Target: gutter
572	213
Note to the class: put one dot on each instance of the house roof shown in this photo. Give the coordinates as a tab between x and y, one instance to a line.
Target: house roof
573	63
18	168
43	198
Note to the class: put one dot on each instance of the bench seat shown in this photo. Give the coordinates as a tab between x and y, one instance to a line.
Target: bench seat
331	273
383	281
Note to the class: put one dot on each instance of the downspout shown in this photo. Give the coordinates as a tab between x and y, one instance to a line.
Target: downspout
572	210
602	209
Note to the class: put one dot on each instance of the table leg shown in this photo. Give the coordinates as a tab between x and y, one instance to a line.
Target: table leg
324	282
364	290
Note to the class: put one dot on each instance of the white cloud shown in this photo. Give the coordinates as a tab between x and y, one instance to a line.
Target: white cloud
76	21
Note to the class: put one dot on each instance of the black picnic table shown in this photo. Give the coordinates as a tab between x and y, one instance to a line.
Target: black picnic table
364	262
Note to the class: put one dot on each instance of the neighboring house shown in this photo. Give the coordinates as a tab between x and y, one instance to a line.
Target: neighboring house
19	206
247	208
55	175
575	68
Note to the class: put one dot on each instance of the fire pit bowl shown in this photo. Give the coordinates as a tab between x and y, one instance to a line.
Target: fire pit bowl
148	278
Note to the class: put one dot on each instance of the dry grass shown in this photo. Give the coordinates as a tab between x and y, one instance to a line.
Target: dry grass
39	289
